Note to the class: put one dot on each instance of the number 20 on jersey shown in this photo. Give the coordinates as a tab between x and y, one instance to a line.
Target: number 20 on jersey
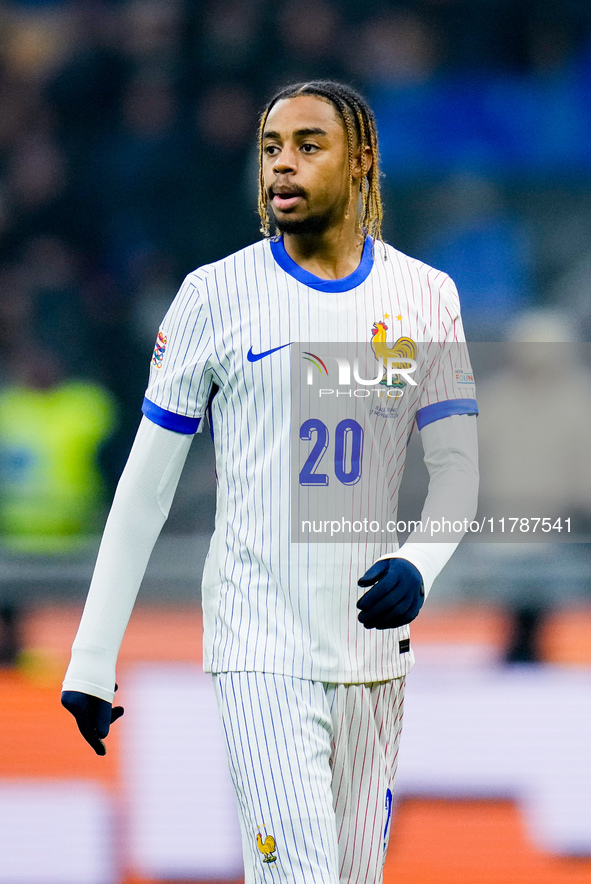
348	451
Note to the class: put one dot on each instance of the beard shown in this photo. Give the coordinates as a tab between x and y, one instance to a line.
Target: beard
313	224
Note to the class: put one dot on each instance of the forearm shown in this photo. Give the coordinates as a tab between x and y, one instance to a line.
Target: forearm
140	508
451	455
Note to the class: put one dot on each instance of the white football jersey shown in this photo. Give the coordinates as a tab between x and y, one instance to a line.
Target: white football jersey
228	347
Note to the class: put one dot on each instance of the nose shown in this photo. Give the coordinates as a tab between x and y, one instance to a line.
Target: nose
285	161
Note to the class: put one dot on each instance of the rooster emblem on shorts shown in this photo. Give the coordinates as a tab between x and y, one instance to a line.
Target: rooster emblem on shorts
267	848
404	347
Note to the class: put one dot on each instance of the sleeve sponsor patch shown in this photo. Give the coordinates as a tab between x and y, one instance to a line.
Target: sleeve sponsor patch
160	347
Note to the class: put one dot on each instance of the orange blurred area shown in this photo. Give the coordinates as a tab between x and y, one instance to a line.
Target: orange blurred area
155	632
480	624
38	739
471	842
566	638
432	842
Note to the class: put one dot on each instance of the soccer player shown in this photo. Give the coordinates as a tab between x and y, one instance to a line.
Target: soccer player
309	677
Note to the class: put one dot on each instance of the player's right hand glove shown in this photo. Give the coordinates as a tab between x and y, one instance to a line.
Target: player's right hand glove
396	595
93	716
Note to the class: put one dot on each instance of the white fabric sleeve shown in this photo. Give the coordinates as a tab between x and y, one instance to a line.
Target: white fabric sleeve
140	508
450	447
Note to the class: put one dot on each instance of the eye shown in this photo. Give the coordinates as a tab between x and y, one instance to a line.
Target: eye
271	150
309	148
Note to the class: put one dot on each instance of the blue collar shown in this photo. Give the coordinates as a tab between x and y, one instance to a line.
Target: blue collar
325	285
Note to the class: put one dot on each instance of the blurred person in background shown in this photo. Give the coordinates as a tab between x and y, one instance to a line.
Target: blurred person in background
480	243
223	121
142	169
310	36
535	439
51	431
52	428
235	45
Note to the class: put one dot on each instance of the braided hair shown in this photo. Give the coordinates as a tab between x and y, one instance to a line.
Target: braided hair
359	121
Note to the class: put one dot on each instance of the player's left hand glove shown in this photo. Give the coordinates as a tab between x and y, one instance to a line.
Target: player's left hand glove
93	716
396	596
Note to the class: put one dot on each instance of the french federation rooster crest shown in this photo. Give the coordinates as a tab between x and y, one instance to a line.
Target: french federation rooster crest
404	347
267	848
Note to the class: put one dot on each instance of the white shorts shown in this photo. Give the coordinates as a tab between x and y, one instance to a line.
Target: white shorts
313	766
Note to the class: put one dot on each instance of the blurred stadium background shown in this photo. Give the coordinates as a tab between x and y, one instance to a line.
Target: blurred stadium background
127	159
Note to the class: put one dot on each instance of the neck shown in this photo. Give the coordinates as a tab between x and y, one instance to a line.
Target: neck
333	254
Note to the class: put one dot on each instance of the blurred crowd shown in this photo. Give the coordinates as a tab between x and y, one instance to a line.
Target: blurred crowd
127	158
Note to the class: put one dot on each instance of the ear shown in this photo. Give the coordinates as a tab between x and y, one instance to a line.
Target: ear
357	167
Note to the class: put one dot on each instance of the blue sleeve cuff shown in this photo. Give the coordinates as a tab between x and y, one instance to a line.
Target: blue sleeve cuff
168	420
437	410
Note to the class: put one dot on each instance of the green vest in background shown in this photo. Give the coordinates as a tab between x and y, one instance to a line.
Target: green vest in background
51	490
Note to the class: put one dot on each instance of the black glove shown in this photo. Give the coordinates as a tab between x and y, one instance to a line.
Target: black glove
93	717
396	596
